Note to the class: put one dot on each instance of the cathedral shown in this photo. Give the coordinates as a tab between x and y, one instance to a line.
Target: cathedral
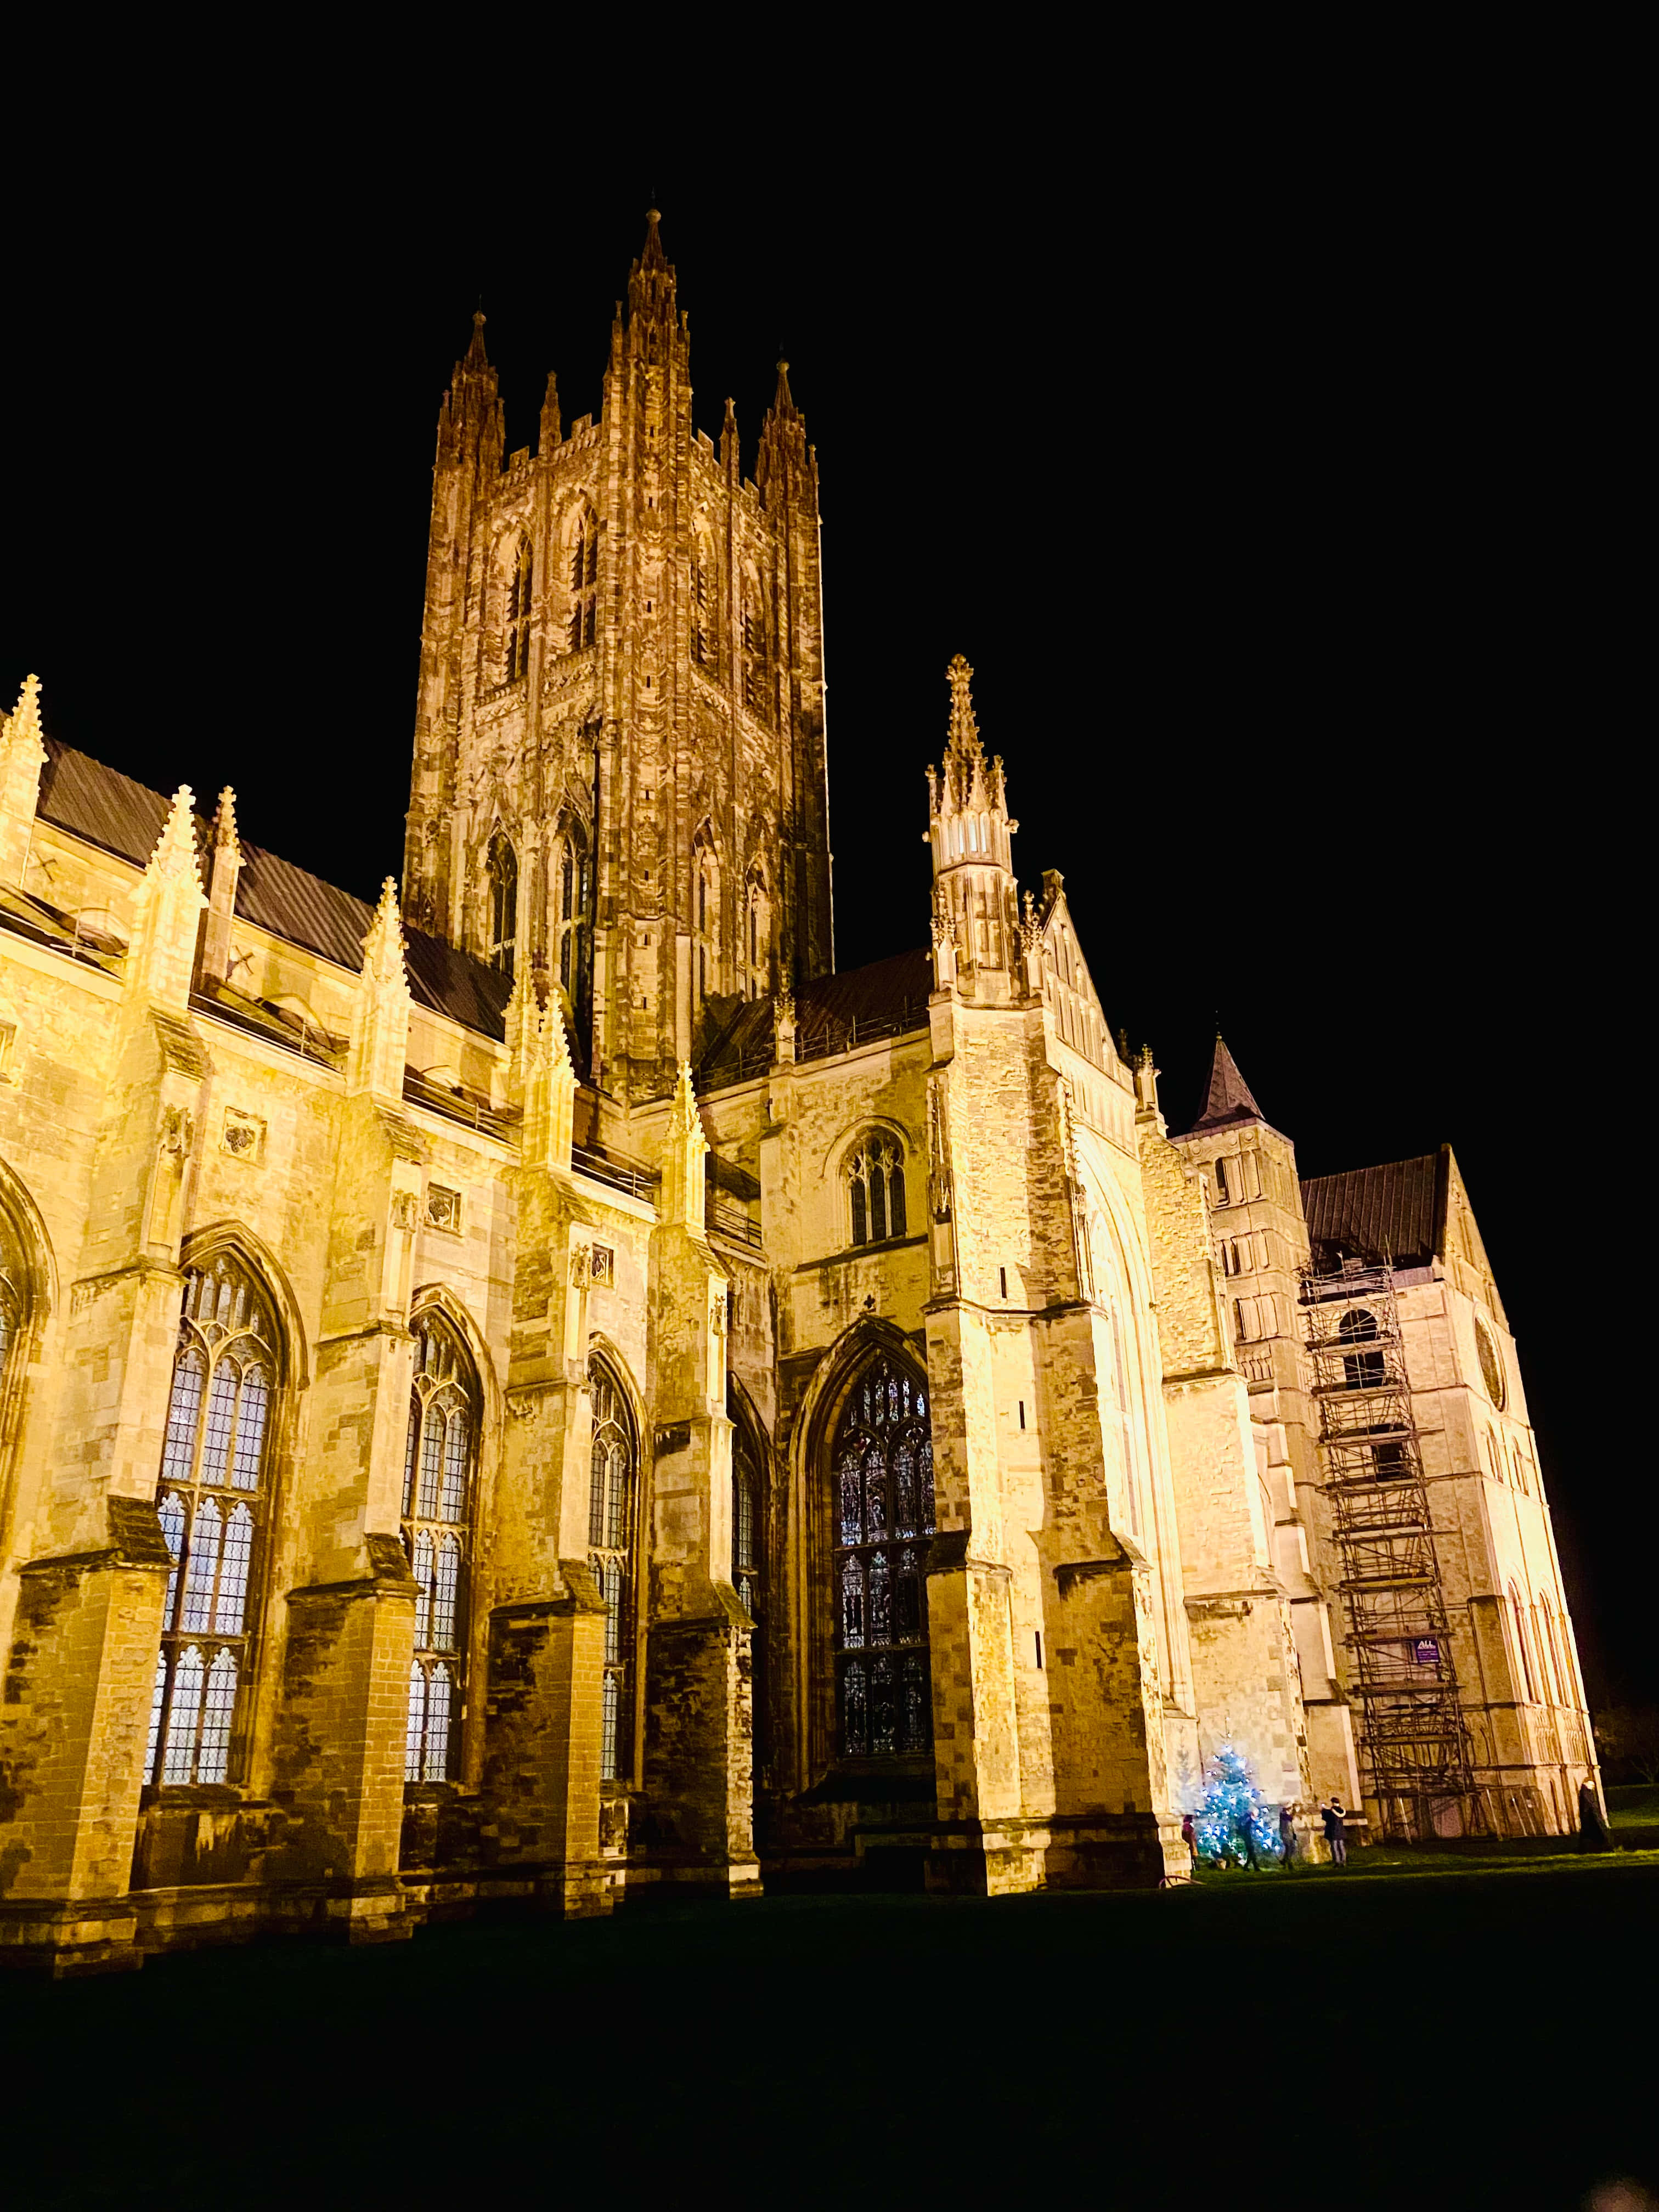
544	1394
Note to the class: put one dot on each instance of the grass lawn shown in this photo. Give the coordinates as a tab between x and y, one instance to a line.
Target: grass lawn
1417	2031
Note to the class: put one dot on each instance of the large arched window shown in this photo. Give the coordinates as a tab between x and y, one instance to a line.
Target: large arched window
584	576
612	1511
1361	1371
882	1509
875	1188
516	634
502	870
570	905
704	601
749	1561
706	908
212	1498
437	1519
756	926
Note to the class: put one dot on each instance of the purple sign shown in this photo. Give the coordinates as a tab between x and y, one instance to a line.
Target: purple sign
1425	1652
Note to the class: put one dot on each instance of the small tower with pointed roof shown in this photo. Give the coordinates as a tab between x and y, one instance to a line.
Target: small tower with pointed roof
970	830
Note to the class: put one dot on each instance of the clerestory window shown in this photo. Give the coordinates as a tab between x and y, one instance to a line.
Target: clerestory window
502	870
211	1496
516	636
875	1188
882	1508
439	1466
611	1507
584	578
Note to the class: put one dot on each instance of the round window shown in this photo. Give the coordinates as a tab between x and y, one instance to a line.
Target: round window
1492	1366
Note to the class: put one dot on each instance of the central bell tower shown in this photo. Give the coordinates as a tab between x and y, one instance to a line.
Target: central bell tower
619	776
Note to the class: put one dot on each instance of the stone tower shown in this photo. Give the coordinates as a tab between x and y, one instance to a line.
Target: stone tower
619	758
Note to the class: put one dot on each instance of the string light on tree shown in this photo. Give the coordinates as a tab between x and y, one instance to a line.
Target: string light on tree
1231	1802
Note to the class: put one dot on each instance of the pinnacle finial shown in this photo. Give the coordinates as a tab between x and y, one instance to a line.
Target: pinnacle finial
964	730
475	356
175	848
653	256
783	401
26	715
224	822
383	946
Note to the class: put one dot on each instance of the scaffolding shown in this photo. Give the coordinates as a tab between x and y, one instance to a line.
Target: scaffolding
1414	1740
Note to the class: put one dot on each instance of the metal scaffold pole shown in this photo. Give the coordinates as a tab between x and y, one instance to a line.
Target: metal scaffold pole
1414	1740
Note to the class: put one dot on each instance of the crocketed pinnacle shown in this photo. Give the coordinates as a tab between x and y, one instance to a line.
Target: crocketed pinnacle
174	856
224	822
782	401
963	746
24	726
383	946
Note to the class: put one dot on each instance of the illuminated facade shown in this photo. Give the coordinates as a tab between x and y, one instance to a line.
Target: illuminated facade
542	1390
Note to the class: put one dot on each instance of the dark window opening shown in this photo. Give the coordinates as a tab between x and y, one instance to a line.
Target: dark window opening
881	1507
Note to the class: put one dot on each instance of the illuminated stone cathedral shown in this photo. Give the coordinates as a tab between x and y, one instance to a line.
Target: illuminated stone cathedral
542	1392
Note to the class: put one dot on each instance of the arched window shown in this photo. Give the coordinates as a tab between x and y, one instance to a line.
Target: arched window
212	1497
611	1510
1362	1370
756	683
516	633
706	910
570	909
1494	1458
437	1519
502	869
749	1560
704	601
1519	1613
1221	1197
875	1188
756	926
1553	1668
881	1505
584	577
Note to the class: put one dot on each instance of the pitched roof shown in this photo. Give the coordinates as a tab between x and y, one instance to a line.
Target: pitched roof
81	795
885	999
1229	1098
1398	1211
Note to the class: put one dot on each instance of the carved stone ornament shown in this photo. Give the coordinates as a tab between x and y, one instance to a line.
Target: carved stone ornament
443	1208
605	1268
178	1130
581	1266
403	1209
242	1134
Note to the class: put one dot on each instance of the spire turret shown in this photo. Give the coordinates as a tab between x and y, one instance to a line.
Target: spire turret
975	903
651	280
785	467
470	419
1228	1098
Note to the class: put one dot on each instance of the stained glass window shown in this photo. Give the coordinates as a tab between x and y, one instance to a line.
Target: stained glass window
882	1512
610	1518
749	1570
438	1464
211	1499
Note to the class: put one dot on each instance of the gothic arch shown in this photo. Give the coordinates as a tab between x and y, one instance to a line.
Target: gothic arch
628	1739
806	1562
234	1237
23	1228
437	1299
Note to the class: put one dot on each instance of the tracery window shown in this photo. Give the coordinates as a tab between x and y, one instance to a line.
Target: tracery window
875	1188
706	897
702	604
748	1564
437	1519
881	1507
584	578
756	928
211	1496
502	870
1361	1371
570	906
614	1482
516	637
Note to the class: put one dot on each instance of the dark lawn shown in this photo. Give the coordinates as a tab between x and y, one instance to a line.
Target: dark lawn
1464	2034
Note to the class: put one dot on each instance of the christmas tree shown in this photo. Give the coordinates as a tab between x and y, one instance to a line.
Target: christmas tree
1231	1803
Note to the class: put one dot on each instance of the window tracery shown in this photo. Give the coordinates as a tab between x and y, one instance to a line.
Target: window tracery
516	636
756	926
437	1513
875	1187
570	910
211	1501
613	1485
706	910
584	577
502	868
881	1506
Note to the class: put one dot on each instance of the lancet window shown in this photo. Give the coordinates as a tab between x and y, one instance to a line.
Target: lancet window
703	601
1518	1613
748	1561
584	578
875	1188
439	1464
882	1512
706	897
757	928
1361	1371
212	1496
516	633
570	906
502	869
612	1511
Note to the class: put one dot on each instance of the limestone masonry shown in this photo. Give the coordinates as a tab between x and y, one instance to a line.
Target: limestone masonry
542	1390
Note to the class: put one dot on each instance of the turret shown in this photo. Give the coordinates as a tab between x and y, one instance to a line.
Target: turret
226	868
22	756
977	941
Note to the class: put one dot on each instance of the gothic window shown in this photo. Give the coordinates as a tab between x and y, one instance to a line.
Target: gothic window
584	577
611	1509
570	905
1492	1366
438	1463
706	910
755	691
502	870
1553	1668
1361	1371
516	655
1518	1611
212	1496
749	1562
756	926
703	600
881	1507
1494	1458
1221	1197
875	1188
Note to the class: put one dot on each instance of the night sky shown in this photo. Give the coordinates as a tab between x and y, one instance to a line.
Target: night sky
1275	499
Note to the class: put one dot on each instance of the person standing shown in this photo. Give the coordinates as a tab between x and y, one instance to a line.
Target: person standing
1247	1841
1593	1834
1189	1836
1287	1835
1336	1833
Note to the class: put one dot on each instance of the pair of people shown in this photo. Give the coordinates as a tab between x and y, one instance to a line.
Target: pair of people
1334	1817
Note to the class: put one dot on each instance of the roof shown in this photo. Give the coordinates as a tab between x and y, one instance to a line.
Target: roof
1397	1212
885	999
83	796
1228	1098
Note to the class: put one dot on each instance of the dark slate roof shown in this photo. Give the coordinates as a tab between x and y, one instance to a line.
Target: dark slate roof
887	998
1229	1097
1398	1211
108	809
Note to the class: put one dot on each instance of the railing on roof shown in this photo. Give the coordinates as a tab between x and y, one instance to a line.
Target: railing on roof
621	1175
821	1042
466	1107
724	1217
39	923
724	1069
275	1025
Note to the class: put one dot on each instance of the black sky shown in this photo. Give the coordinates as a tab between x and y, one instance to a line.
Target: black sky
1274	488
